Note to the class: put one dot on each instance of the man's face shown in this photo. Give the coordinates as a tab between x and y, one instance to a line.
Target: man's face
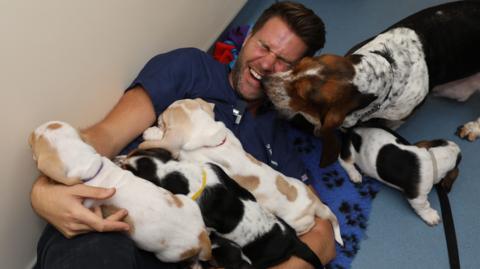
273	48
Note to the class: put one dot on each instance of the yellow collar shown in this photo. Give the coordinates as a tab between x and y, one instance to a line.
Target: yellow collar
204	183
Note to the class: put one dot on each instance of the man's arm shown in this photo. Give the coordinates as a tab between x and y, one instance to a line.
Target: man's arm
132	114
320	239
62	205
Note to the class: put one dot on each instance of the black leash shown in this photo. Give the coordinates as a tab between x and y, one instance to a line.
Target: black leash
448	227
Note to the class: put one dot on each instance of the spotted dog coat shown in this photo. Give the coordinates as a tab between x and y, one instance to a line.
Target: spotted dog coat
382	154
386	77
188	129
246	235
170	226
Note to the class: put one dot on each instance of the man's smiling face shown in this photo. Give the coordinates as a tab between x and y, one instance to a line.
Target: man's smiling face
273	48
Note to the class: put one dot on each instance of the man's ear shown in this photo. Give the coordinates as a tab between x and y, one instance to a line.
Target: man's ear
247	38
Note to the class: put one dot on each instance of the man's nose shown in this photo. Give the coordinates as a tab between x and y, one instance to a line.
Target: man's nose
268	62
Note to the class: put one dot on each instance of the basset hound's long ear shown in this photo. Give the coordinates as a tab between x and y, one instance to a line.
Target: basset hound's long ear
332	119
331	143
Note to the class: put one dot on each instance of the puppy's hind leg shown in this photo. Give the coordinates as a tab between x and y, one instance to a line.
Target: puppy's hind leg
459	90
421	205
347	159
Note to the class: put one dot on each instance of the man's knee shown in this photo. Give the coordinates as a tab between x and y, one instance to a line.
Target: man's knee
92	250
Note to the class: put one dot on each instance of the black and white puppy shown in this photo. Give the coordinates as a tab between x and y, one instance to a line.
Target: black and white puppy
244	234
382	154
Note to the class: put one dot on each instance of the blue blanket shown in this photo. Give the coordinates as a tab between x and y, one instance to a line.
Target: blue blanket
350	202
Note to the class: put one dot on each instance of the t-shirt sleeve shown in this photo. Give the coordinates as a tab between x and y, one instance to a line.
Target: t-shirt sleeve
168	77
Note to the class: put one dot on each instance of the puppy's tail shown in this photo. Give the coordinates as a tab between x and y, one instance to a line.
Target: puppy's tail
324	212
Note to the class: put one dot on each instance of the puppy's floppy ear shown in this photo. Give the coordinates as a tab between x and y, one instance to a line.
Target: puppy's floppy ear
31	139
169	141
211	136
206	106
49	163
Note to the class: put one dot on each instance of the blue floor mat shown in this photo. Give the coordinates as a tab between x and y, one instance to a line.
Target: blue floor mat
350	202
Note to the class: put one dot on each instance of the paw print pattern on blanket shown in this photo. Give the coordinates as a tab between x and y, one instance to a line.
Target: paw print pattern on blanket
303	145
353	214
350	202
368	188
352	246
333	179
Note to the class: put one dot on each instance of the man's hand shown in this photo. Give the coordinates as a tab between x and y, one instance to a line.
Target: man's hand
320	239
62	207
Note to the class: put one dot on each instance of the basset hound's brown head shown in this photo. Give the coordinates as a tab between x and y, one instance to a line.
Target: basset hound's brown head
321	90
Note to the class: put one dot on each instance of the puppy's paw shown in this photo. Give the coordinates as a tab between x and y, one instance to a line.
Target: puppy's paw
354	175
119	160
430	216
470	130
152	133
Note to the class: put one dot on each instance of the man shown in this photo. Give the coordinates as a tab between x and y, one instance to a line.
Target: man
283	34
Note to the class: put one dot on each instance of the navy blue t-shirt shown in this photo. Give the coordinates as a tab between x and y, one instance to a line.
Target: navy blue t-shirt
191	73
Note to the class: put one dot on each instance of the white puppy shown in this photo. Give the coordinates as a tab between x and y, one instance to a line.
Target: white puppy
169	225
414	169
187	128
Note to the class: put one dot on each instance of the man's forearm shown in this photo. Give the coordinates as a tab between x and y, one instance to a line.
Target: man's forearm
320	240
129	118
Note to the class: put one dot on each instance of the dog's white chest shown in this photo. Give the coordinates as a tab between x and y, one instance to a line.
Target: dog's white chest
400	84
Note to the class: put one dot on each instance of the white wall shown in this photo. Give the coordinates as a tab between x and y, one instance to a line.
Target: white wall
71	60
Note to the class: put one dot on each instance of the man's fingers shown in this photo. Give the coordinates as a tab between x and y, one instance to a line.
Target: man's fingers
99	224
97	210
118	216
73	229
97	193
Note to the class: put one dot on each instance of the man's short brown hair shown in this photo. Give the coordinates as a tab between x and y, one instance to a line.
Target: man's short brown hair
301	20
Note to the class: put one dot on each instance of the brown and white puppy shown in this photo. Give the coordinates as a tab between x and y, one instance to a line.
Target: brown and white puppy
387	76
382	154
187	128
171	226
